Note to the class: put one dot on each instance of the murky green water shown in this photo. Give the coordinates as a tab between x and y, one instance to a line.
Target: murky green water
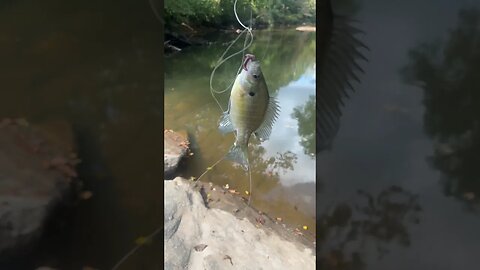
96	66
400	181
283	168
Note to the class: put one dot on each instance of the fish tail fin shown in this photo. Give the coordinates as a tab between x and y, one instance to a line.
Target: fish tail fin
239	155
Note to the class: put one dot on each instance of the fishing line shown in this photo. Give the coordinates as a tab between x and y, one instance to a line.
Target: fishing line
133	250
150	237
250	181
223	60
155	11
212	91
210	168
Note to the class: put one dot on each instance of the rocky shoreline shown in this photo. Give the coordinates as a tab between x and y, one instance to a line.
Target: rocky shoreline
208	227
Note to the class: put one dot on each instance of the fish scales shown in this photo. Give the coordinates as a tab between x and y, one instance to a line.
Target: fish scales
251	110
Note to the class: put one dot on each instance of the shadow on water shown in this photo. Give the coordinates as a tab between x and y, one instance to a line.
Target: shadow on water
341	52
447	71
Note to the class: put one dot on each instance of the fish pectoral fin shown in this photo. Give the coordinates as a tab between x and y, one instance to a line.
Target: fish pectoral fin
225	124
271	115
238	154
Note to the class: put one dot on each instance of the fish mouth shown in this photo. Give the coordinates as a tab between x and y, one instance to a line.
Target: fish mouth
248	58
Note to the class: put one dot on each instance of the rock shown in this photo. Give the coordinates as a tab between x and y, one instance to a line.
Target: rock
306	28
176	146
36	174
232	243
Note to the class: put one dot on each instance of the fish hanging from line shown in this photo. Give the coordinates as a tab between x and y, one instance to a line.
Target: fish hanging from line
251	110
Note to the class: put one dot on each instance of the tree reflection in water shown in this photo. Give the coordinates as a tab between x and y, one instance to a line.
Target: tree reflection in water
306	125
372	221
350	229
448	74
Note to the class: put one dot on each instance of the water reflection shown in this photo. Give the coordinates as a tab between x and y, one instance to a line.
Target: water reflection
448	74
370	221
306	125
373	221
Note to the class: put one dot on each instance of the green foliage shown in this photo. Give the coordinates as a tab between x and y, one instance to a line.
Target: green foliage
192	10
220	12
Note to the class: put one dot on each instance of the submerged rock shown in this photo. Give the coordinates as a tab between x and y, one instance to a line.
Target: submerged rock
176	146
36	174
197	237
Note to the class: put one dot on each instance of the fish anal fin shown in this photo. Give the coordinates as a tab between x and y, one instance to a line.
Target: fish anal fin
225	124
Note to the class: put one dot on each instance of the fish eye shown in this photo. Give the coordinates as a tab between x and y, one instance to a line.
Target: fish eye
251	94
255	76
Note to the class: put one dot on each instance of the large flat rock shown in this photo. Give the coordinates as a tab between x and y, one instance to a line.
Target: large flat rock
176	147
36	174
197	237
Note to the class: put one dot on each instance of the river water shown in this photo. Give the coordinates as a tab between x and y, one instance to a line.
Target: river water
400	181
283	167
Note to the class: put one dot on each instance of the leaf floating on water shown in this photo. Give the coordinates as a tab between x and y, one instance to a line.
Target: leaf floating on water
22	122
305	227
142	241
260	220
190	154
469	196
209	168
246	192
297	232
226	186
85	195
279	219
200	247
58	161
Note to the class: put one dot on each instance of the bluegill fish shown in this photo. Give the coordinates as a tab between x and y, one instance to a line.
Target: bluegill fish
251	110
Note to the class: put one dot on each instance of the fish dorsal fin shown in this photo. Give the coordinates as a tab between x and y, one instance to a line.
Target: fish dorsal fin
225	124
263	132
